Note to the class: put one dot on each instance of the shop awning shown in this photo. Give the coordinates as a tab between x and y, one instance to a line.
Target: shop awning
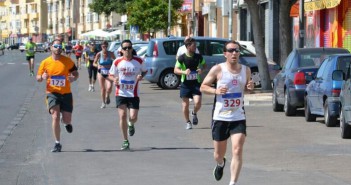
331	3
294	11
311	5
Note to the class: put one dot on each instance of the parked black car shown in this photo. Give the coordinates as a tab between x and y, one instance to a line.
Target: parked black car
322	93
13	46
290	83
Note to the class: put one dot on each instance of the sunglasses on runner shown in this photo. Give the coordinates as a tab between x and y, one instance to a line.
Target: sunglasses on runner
231	50
57	46
129	48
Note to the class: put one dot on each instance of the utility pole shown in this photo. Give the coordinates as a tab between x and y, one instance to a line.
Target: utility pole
169	18
301	23
193	17
230	21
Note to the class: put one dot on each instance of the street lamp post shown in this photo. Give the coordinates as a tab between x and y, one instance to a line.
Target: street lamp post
301	24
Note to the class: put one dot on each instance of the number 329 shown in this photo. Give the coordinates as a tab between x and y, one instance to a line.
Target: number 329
232	103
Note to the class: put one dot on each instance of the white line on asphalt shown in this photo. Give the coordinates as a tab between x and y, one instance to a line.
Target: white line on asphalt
11	63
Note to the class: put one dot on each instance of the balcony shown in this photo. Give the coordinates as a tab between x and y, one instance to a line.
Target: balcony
24	16
34	15
24	31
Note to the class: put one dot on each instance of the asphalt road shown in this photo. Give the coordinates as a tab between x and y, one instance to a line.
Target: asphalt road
278	150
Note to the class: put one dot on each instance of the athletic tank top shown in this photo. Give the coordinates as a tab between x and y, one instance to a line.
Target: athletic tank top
230	106
107	61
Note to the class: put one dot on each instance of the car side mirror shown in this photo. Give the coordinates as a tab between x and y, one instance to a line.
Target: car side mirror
338	75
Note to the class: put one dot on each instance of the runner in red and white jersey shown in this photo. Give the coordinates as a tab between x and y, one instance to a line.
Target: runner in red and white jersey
126	72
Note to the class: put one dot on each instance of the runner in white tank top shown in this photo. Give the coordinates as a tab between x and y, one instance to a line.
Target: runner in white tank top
229	107
229	119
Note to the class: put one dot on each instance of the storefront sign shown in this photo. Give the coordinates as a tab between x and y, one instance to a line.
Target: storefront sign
311	5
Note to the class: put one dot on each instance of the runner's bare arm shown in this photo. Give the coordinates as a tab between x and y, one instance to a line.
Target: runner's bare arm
211	77
249	83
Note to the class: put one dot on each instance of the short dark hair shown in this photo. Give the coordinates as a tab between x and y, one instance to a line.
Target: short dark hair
189	41
230	42
126	41
56	40
105	43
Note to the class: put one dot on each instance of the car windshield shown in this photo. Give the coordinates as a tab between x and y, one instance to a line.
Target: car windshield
314	59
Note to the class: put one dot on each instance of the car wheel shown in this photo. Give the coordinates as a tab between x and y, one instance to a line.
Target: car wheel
255	77
330	121
288	109
308	116
344	127
169	80
276	106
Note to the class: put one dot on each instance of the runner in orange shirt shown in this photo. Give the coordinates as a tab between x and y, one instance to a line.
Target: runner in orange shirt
59	72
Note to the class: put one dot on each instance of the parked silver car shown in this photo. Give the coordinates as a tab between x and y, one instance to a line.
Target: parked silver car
160	59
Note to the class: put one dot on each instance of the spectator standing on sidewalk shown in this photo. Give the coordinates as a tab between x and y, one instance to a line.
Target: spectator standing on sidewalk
126	72
59	72
30	52
190	65
229	120
103	61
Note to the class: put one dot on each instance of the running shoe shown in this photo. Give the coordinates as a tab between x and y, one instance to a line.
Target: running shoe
131	130
188	125
218	171
57	148
69	128
90	88
108	99
125	145
103	105
195	120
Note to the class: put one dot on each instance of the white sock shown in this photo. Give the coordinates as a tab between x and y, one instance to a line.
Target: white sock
231	183
57	141
221	165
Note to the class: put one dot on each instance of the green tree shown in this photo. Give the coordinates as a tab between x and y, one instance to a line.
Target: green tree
152	14
108	6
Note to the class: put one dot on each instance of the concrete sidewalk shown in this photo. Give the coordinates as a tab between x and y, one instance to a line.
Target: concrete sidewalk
258	97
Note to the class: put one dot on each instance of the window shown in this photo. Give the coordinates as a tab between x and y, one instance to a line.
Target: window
344	64
216	48
289	60
95	17
68	3
171	47
321	69
88	18
67	21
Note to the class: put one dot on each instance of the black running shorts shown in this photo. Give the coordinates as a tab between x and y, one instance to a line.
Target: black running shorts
29	57
131	102
221	130
187	91
64	100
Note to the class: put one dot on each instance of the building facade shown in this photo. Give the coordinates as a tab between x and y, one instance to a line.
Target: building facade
20	19
327	24
43	19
